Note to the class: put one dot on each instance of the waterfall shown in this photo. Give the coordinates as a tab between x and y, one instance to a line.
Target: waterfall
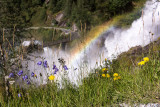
108	45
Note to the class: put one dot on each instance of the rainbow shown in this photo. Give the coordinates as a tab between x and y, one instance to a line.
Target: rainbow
89	39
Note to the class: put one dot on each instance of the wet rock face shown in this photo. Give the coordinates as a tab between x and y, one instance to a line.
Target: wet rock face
74	28
29	46
139	50
59	17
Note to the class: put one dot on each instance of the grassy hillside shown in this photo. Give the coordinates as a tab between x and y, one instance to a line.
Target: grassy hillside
125	81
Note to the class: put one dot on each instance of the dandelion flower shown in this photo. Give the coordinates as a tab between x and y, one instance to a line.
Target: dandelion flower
115	78
146	59
141	63
108	76
104	69
115	74
119	77
103	75
51	77
105	59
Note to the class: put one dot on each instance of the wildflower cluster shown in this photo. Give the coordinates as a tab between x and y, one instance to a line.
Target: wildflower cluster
45	64
20	73
26	78
145	59
116	76
105	72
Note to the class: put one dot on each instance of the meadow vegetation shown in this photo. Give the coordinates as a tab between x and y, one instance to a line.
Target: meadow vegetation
124	80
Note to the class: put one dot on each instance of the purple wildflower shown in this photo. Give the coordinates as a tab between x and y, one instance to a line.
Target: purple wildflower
45	64
28	82
11	75
19	95
39	63
32	74
56	70
65	67
20	72
25	77
54	66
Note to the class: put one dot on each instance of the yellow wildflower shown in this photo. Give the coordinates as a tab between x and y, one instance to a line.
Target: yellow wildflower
108	76
105	59
115	78
104	69
115	74
51	77
119	77
146	59
103	75
35	75
141	63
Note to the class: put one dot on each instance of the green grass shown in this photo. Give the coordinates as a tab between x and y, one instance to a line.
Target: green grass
138	84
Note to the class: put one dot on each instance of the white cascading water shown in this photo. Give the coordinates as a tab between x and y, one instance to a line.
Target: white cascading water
115	41
140	32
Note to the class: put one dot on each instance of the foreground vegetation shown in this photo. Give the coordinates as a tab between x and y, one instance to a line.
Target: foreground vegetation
138	82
